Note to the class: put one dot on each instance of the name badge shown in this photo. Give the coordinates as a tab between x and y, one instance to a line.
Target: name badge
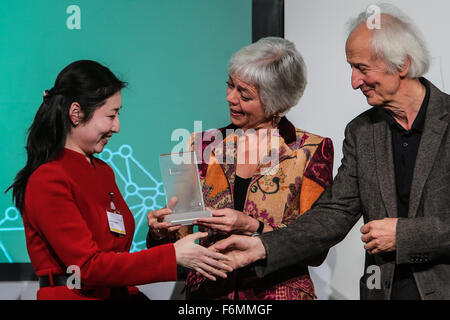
116	224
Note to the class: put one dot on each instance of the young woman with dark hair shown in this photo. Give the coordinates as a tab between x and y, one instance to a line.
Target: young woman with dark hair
72	209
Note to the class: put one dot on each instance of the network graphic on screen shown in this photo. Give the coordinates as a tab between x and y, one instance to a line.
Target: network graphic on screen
139	188
11	222
141	191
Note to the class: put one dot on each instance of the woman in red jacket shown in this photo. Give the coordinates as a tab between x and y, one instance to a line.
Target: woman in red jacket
74	215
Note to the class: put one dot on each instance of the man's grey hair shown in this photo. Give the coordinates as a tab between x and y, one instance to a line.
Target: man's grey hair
397	39
275	67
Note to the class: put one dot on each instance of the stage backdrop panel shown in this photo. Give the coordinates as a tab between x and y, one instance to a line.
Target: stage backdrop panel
173	54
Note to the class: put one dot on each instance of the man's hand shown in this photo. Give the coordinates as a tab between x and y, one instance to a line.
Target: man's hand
242	250
379	235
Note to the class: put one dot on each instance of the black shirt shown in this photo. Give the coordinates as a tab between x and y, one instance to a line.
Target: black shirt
405	145
240	192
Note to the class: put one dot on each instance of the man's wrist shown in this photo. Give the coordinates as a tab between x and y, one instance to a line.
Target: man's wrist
260	250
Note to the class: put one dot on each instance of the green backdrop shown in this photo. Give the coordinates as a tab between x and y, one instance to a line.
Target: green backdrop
173	54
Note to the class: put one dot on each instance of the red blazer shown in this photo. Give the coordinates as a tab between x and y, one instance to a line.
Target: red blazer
66	224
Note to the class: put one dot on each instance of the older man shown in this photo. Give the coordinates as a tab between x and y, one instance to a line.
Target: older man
395	173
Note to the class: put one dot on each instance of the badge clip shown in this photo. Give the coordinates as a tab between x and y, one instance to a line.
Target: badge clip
115	218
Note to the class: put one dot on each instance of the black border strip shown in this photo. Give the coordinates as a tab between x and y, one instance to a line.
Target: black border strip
17	272
267	19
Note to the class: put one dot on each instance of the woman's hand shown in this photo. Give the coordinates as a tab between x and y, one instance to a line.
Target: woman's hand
207	262
241	250
230	221
158	227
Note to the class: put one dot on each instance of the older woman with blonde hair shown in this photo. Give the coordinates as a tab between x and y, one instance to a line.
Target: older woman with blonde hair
266	79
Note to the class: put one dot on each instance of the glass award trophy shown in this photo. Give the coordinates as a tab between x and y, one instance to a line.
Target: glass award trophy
181	179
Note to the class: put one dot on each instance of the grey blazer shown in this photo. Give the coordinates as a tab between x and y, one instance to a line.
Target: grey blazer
365	185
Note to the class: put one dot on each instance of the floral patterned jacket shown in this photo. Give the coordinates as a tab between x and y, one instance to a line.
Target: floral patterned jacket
275	196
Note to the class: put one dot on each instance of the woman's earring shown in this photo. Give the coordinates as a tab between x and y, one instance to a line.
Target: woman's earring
275	120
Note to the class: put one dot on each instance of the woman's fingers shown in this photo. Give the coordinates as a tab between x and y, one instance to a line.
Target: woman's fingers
218	224
174	228
162	225
218	213
195	236
214	220
226	220
162	212
217	265
223	244
172	202
213	271
217	227
216	255
212	225
214	262
234	242
205	274
205	266
166	226
207	262
157	215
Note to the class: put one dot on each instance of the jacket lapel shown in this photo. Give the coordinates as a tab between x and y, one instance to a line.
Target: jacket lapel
430	141
385	166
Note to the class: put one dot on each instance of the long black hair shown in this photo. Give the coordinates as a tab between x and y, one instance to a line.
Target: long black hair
86	82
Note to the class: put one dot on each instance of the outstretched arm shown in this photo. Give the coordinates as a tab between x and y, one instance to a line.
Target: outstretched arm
321	227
